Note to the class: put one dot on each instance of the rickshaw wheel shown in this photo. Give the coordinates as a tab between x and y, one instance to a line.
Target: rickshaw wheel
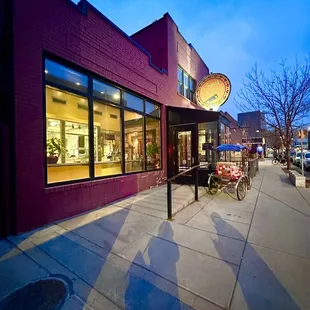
213	185
249	183
241	188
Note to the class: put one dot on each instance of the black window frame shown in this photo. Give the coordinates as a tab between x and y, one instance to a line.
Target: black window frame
89	95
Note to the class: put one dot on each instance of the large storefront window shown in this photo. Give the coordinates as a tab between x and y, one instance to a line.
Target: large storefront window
67	136
208	134
107	142
134	142
85	122
153	152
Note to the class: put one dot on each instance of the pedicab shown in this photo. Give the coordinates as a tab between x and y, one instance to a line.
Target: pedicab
230	174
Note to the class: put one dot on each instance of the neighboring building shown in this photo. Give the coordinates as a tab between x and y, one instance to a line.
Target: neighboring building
254	123
236	133
90	115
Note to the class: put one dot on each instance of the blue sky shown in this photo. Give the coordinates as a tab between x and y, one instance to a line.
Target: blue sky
230	35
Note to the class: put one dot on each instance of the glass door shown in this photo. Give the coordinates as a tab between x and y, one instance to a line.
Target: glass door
184	150
185	147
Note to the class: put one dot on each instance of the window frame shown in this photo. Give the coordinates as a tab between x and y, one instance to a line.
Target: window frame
89	95
189	92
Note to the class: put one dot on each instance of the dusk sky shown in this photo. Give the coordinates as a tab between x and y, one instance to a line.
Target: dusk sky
230	35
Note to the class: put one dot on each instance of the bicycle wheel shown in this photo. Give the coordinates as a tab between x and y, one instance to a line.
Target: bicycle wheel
241	188
275	161
214	184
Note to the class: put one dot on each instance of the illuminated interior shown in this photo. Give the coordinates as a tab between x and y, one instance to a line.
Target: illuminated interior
67	128
67	120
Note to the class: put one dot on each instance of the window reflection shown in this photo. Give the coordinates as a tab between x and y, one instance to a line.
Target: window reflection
64	76
106	92
134	144
133	102
152	109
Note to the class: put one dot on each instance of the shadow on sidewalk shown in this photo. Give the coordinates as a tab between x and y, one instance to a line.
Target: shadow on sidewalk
260	287
84	248
162	260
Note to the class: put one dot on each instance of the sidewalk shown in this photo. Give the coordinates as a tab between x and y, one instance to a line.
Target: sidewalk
218	253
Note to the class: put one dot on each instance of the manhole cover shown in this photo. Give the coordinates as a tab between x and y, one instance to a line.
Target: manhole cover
43	294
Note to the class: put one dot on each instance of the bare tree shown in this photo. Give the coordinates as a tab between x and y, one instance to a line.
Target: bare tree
283	96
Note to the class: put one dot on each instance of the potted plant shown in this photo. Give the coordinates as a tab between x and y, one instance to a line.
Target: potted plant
152	150
55	148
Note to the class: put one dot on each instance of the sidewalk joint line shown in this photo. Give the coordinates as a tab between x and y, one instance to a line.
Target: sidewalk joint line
277	250
200	209
246	239
197	251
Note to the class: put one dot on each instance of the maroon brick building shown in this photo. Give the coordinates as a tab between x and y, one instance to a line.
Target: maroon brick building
85	109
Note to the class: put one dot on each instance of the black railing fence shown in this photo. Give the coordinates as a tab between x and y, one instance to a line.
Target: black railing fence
250	167
169	190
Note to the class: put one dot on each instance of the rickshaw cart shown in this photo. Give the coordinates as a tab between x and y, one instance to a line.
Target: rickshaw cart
230	174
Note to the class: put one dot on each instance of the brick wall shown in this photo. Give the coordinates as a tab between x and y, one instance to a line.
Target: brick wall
89	40
163	35
183	54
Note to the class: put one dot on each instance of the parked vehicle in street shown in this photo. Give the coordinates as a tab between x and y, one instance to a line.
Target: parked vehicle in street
297	159
292	154
307	161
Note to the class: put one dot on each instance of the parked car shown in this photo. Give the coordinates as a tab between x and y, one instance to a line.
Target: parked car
307	161
292	154
296	159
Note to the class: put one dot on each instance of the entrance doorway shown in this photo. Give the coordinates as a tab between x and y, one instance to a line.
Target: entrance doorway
185	149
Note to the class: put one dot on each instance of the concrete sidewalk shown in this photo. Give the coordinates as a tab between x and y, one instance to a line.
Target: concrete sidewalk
218	253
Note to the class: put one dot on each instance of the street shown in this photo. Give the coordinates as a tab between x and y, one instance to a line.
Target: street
218	253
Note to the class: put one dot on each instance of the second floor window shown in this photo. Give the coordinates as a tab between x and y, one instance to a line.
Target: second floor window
186	84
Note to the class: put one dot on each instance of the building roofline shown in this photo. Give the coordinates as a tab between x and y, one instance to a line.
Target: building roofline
83	6
189	44
169	16
147	26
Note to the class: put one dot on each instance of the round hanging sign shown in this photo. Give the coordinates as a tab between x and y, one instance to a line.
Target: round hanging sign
213	91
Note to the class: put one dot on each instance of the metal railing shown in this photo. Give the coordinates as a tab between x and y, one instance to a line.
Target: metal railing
169	191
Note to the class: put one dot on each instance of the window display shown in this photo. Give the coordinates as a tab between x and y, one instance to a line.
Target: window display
207	134
66	136
85	128
153	152
134	142
108	153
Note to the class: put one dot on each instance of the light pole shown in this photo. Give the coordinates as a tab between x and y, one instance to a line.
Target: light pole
309	138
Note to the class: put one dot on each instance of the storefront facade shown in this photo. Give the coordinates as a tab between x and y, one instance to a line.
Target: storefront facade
86	118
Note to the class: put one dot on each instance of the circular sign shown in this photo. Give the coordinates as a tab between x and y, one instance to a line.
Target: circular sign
213	91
